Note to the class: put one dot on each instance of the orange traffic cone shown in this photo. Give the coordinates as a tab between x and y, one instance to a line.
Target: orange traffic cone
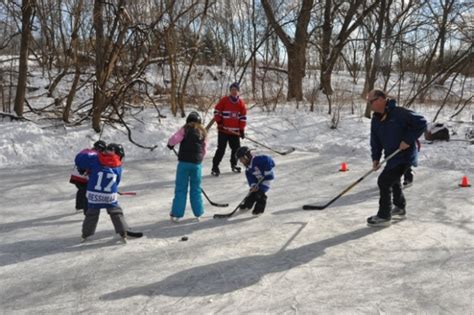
343	167
465	182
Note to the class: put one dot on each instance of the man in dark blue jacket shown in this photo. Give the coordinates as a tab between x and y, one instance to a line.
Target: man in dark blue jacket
392	128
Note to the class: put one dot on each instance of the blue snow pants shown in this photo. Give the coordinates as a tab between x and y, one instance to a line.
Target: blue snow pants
187	173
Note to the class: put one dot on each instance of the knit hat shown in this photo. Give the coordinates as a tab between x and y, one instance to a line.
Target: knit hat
235	85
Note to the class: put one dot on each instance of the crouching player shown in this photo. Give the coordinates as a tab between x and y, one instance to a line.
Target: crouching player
259	172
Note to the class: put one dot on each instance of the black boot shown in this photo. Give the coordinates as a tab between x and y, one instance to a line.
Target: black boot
236	169
261	202
408	178
215	171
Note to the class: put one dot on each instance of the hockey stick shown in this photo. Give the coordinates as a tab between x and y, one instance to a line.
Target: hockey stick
215	204
209	125
127	193
291	149
316	207
228	215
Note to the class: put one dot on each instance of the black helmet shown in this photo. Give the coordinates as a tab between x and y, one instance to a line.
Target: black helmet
117	149
100	146
243	151
193	117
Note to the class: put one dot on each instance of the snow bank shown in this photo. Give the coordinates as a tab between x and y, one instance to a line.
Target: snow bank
28	143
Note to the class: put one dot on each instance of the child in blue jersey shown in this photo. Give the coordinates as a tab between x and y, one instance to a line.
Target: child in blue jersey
80	177
192	149
259	172
105	173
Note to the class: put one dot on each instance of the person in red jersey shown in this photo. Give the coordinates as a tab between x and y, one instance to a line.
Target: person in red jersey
230	114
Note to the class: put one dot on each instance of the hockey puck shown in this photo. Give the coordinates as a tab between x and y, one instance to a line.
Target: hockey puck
184	238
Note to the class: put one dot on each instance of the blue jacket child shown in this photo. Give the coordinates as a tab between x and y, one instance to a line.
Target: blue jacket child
192	149
105	173
259	173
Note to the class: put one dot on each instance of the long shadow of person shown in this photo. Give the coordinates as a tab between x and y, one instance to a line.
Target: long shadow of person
349	200
43	221
12	253
17	252
231	275
167	229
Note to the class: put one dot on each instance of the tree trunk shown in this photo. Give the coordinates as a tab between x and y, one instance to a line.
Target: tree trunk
99	99
295	48
173	69
107	52
72	94
194	57
447	7
372	77
351	22
367	65
378	43
254	59
26	12
325	75
325	79
75	60
296	72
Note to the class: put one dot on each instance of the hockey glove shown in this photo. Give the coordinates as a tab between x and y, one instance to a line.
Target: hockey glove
254	188
242	134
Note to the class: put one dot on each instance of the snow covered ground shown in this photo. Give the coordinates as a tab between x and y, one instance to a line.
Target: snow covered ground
285	261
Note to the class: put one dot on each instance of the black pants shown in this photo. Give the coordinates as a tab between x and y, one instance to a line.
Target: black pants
257	198
222	140
389	182
81	199
408	175
92	217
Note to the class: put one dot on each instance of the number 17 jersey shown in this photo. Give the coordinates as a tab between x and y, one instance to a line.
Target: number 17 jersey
105	172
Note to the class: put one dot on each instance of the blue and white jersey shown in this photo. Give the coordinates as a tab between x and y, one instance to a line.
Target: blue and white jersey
260	166
105	173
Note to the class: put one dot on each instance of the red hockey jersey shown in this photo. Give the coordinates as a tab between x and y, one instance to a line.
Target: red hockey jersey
230	117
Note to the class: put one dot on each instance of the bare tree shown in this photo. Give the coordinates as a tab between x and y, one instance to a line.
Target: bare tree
73	51
351	20
372	73
115	50
295	48
27	12
446	8
107	51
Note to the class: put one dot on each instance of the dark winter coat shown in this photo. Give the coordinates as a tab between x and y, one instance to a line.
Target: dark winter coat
388	130
193	145
260	166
